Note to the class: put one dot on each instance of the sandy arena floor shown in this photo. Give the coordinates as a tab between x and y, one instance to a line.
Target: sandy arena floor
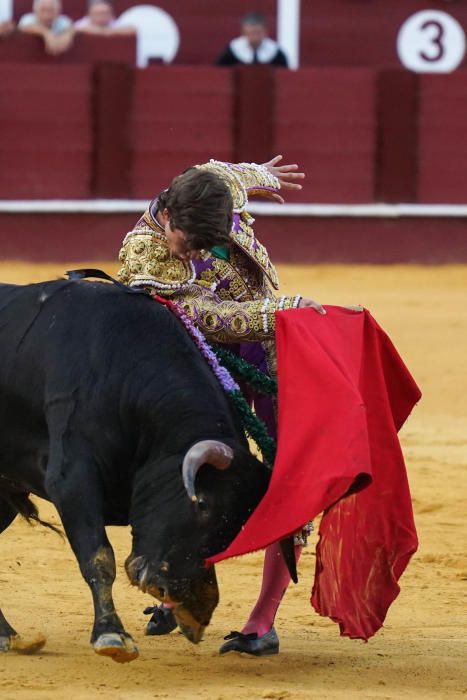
421	652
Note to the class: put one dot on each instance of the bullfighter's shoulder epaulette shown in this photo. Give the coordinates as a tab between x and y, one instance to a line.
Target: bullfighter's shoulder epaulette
147	262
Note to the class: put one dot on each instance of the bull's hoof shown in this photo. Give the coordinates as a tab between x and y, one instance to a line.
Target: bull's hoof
21	645
120	648
191	628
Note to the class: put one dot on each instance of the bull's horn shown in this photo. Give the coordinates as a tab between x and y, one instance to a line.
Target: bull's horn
212	452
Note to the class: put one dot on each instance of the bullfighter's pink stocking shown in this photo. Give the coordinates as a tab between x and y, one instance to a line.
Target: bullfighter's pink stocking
276	578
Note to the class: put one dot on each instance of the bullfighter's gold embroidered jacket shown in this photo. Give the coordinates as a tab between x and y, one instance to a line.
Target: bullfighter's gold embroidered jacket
229	300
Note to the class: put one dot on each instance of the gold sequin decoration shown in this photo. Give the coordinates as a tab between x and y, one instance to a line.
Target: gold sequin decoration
146	255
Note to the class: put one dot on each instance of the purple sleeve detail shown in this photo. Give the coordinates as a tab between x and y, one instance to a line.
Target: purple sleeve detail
236	222
202	265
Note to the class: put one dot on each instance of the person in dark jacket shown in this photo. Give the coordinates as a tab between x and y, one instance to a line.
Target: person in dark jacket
253	46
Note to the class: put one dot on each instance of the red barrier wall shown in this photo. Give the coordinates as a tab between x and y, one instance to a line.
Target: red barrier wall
179	117
79	237
87	49
326	121
113	90
361	32
442	149
45	132
397	142
109	130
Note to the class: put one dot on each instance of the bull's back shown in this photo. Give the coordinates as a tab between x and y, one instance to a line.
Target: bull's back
21	314
105	346
64	331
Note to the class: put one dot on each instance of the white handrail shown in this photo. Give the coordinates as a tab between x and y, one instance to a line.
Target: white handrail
136	206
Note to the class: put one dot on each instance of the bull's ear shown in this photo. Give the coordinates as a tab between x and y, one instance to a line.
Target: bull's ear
288	553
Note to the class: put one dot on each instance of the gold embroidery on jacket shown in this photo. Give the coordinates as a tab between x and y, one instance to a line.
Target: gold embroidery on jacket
146	259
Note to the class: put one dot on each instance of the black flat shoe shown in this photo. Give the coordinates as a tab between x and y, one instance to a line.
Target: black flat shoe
267	645
161	622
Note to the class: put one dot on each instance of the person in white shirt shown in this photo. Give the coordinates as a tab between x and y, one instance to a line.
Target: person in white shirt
46	21
7	25
101	20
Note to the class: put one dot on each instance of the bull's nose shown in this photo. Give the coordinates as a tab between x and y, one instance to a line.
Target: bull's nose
159	590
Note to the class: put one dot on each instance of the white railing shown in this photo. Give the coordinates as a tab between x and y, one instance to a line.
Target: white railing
135	206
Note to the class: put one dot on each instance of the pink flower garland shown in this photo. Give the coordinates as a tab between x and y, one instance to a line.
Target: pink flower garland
222	374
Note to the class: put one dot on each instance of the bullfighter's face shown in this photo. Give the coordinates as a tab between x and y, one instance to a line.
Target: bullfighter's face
173	539
176	238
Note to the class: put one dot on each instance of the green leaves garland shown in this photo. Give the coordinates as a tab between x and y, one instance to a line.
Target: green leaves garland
254	427
246	372
261	383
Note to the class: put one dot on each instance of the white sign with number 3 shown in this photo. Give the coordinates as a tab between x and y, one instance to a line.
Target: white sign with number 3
431	42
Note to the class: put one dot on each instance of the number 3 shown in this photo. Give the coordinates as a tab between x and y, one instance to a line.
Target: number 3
436	40
431	41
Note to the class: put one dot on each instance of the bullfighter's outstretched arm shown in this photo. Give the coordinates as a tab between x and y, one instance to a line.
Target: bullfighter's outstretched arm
244	180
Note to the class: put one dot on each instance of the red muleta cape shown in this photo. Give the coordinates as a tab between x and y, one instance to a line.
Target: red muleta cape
344	393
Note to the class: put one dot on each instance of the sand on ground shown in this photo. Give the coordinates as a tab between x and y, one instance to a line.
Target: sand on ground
422	650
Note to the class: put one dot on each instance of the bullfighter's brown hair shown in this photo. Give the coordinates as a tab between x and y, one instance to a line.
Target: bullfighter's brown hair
200	204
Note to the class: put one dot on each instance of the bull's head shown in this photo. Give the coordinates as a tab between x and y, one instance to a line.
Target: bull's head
192	510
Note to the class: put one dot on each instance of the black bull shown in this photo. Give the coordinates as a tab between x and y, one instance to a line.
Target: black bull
102	395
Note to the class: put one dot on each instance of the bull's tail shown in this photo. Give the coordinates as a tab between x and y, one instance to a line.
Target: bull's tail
23	505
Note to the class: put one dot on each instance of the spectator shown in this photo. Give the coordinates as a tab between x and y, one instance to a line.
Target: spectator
46	21
101	20
254	46
6	28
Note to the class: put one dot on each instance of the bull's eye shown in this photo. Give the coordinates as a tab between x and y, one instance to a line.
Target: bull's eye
202	505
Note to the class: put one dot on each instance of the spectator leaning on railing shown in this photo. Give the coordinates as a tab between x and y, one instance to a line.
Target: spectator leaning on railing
101	20
6	28
46	21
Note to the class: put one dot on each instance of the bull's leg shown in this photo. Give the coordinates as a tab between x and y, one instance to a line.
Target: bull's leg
78	499
9	638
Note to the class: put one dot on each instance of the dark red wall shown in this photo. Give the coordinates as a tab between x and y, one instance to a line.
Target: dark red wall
179	116
109	130
86	49
361	32
45	131
326	121
442	138
78	237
